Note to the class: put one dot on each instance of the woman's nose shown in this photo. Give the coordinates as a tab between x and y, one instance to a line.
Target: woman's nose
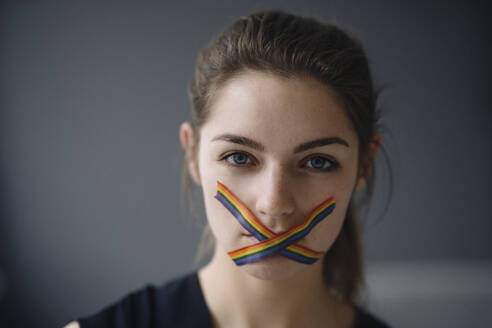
276	203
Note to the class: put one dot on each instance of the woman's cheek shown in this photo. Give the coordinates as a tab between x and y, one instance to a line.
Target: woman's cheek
224	227
326	232
322	237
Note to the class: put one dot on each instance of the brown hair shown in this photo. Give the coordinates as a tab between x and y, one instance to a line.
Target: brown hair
292	45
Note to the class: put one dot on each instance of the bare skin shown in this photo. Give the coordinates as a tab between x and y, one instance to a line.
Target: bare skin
280	188
239	300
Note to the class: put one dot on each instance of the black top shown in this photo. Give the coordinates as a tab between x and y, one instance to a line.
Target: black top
178	303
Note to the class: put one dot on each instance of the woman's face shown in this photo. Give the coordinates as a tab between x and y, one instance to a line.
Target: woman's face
282	146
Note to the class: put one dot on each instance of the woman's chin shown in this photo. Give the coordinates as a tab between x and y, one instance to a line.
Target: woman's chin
275	267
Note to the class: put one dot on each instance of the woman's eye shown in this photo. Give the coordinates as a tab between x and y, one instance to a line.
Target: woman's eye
321	163
238	159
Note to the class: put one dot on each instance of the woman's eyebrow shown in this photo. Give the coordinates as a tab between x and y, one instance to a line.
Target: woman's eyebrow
245	141
319	143
240	140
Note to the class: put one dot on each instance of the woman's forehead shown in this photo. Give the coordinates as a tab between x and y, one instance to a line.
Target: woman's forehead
268	106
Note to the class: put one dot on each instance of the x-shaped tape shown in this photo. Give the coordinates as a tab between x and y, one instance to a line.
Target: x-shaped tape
269	242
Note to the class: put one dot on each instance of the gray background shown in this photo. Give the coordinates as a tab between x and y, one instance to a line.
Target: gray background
91	97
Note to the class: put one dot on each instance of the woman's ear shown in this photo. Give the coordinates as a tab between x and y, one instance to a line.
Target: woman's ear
187	139
366	171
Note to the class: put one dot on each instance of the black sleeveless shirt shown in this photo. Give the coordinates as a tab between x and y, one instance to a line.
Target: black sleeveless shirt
178	303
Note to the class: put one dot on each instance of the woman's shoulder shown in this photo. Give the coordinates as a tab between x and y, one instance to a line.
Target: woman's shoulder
364	319
151	306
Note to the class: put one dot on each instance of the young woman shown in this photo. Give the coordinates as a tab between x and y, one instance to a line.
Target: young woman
283	132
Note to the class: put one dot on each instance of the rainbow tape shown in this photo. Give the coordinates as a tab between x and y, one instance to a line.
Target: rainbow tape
269	242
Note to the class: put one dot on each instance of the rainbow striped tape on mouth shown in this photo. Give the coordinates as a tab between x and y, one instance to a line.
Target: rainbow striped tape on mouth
269	242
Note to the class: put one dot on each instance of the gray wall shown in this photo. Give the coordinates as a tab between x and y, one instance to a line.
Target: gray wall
91	98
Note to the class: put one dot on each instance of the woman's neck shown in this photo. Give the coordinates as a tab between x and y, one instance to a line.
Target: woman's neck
238	299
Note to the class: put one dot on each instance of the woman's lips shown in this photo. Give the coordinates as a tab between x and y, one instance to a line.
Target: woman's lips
249	237
253	238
